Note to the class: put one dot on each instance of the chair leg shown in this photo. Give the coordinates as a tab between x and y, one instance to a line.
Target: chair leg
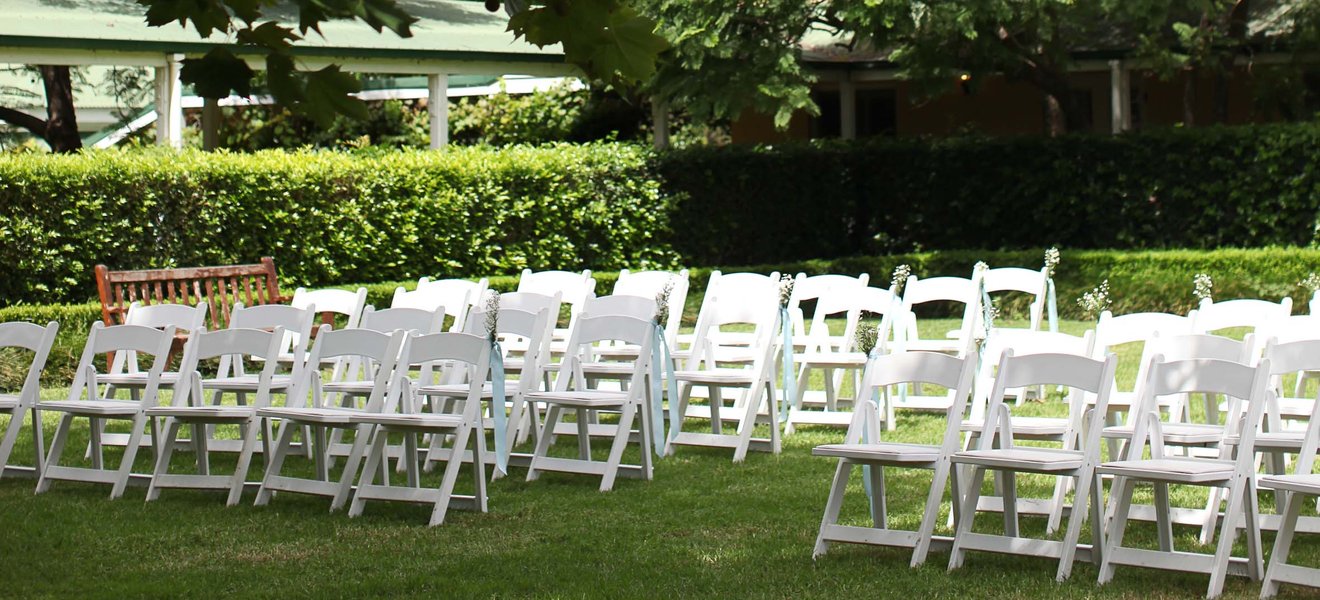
964	525
361	435
251	431
56	449
1079	510
166	443
879	508
832	506
1224	547
626	419
1163	523
1009	479
94	450
199	448
1121	499
543	444
10	437
275	462
479	470
926	530
584	434
368	476
130	453
452	468
38	441
1282	543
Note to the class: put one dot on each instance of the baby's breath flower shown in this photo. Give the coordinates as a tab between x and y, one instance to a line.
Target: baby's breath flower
662	302
866	337
896	283
1095	301
1203	286
785	290
1312	282
1051	260
492	310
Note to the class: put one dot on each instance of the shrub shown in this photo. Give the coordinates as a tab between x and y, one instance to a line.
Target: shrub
326	217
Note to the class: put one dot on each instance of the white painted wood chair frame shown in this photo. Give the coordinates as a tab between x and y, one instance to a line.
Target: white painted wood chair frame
818	287
649	284
189	408
1019	280
1247	384
573	288
723	292
382	349
919	291
862	447
401	414
1077	459
571	393
101	340
1247	312
457	296
38	340
755	400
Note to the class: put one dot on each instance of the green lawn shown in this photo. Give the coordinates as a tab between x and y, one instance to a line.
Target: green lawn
703	527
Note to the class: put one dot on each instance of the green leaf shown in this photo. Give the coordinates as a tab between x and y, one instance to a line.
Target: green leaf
268	35
217	73
327	94
206	15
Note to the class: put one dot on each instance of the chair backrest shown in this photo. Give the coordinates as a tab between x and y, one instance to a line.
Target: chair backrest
933	368
1292	328
471	353
35	339
1295	357
181	316
957	290
457	296
121	340
1250	313
1080	375
533	303
331	302
1022	343
853	304
1017	279
711	343
535	327
230	345
296	322
412	320
640	307
726	294
1113	330
819	287
574	288
592	329
1238	381
650	284
378	350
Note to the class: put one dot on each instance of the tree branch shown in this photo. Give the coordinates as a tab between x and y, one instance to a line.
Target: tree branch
19	118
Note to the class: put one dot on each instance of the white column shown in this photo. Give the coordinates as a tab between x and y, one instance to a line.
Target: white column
437	103
210	124
847	109
1120	97
660	124
169	103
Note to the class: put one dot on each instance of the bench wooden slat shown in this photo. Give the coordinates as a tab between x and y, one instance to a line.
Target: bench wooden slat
218	286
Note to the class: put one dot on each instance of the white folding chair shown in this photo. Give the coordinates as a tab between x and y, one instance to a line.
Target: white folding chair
1250	313
1236	380
723	291
1076	460
400	415
27	337
650	284
1134	328
939	290
124	371
835	356
119	339
571	393
573	289
330	304
744	363
381	350
863	446
521	422
189	409
456	296
808	288
1035	284
1294	489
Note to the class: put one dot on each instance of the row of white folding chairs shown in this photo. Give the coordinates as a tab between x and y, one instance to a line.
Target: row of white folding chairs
1079	459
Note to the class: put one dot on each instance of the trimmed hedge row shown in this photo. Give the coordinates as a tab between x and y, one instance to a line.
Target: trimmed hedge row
326	217
1250	186
1139	281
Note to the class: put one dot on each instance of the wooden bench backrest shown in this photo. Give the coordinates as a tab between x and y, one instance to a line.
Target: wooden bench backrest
219	287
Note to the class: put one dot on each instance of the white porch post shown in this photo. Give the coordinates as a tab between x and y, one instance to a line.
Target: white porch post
1120	97
169	103
437	103
210	124
847	108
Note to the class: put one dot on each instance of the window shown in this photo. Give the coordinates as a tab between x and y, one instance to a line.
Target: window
827	124
877	112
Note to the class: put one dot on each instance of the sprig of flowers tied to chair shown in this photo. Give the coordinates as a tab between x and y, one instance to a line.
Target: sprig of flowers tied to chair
662	358
497	398
1051	297
786	329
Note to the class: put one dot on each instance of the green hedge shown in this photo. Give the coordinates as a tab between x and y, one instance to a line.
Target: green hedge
326	217
1248	186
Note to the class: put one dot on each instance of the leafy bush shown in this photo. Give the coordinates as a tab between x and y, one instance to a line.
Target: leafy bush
1182	188
326	217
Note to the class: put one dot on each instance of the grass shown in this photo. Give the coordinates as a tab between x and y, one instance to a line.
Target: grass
703	527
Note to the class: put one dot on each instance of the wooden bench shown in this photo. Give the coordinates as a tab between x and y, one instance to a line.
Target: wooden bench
219	287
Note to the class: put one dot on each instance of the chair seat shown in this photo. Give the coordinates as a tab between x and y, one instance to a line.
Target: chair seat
584	398
1172	469
1175	433
717	376
1023	458
325	416
620	352
135	379
621	369
411	420
246	383
460	390
8	402
94	407
880	452
831	359
1306	484
203	412
1028	426
1296	407
1281	440
356	388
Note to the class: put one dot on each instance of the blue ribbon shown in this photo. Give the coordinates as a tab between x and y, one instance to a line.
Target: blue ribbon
790	375
866	431
660	356
1052	303
497	407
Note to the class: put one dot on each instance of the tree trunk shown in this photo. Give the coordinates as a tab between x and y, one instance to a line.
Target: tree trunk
1056	122
61	121
1237	36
